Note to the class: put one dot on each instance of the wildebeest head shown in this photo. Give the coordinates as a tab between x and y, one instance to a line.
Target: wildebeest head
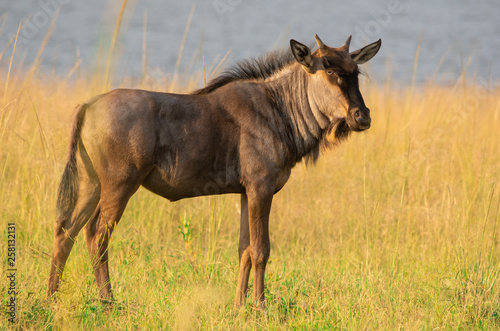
333	81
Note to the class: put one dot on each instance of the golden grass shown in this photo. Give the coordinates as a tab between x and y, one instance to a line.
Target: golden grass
395	228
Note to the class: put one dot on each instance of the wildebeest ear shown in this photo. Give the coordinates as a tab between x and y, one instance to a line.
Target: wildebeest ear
366	53
302	53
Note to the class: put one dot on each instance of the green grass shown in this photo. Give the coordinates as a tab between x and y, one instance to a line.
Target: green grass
395	228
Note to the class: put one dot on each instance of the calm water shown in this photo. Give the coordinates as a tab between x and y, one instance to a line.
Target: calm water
464	32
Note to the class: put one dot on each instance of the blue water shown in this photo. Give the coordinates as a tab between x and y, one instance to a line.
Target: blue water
465	33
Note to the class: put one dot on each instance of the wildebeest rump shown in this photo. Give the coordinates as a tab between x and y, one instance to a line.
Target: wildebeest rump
242	133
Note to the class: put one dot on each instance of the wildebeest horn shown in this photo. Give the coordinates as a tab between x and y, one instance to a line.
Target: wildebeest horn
320	43
347	43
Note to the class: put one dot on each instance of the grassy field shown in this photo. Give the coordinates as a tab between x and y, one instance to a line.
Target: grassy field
397	228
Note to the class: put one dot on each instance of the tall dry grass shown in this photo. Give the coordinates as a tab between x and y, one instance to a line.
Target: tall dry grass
395	228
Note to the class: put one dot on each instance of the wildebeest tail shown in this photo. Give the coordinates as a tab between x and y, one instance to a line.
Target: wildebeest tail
67	193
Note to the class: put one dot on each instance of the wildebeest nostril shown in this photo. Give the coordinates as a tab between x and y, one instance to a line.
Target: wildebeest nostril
363	120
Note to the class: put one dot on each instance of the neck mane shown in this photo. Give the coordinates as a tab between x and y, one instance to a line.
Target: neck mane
302	127
259	68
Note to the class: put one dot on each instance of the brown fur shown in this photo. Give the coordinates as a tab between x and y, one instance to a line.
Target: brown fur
241	134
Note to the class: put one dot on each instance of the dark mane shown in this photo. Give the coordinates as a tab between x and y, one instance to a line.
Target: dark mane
258	68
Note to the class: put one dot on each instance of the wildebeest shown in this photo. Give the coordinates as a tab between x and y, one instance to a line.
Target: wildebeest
242	133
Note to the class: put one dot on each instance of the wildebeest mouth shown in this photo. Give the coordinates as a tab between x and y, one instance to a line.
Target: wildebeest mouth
360	123
357	126
360	128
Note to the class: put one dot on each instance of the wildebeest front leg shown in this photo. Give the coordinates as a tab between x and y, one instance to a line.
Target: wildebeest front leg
244	255
259	207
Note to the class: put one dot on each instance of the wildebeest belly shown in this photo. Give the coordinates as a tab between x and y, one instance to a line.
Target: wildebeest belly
180	185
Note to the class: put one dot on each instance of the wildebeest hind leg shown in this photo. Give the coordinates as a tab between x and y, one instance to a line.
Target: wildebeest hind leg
68	227
98	232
